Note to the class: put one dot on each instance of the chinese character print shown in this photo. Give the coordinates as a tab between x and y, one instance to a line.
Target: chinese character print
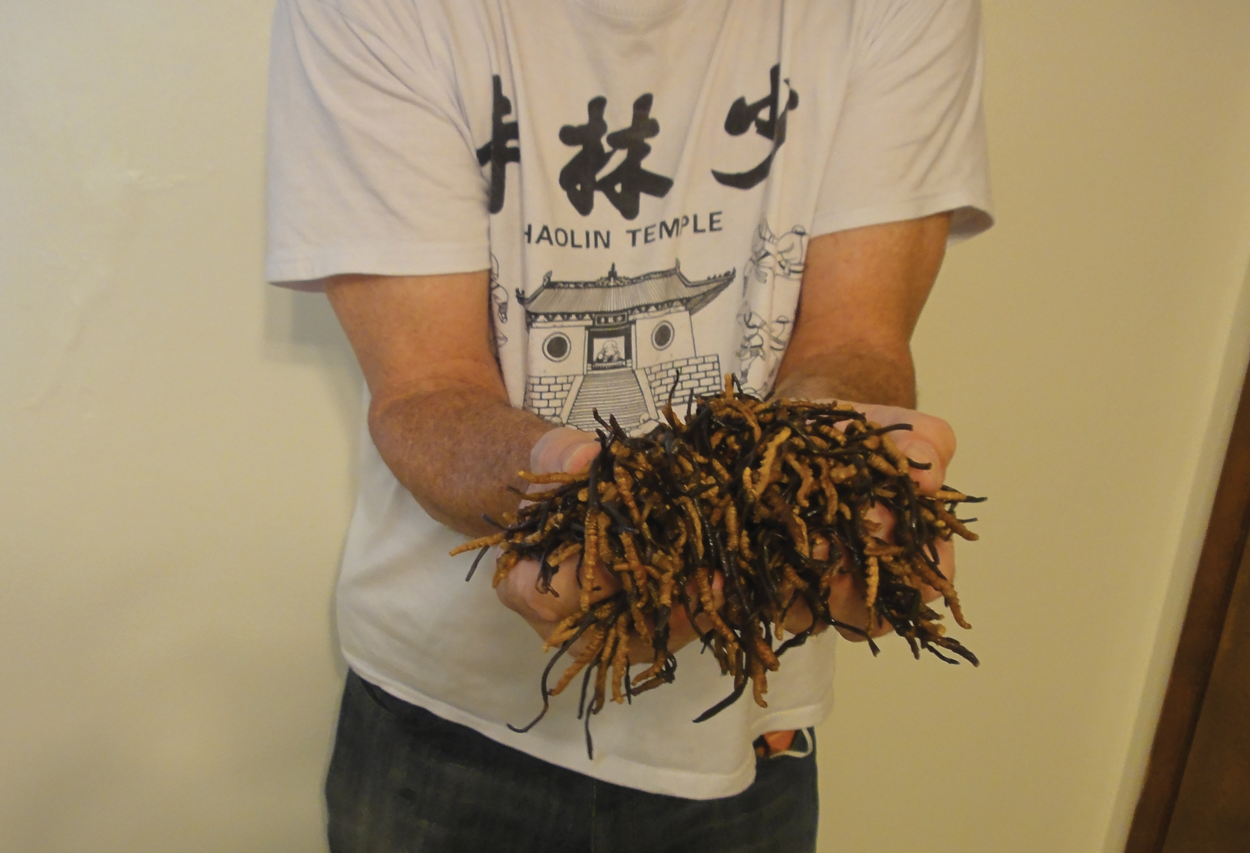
742	116
624	185
500	151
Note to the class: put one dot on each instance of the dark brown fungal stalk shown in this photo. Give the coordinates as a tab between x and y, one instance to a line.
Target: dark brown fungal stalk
755	490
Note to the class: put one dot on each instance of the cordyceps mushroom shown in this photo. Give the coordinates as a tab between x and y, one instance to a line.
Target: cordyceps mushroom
775	495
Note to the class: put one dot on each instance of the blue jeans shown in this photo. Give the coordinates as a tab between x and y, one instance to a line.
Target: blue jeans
403	779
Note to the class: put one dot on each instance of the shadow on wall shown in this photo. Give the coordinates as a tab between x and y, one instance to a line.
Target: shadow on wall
301	329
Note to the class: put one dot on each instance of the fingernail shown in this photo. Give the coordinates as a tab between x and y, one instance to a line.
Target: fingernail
554	448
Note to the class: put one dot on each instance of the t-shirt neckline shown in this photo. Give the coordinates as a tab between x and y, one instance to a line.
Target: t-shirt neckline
634	9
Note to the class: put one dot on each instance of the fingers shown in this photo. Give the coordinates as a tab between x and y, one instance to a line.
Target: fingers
945	549
846	596
563	449
820	547
799	617
518	592
544	610
930	441
560	449
930	472
681	632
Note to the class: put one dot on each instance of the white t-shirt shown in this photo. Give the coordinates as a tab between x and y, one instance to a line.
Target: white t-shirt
641	177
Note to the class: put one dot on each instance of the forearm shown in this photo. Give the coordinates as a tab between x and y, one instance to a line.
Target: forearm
852	372
457	448
439	413
862	294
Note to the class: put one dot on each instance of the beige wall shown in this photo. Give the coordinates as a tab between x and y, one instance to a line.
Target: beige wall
176	440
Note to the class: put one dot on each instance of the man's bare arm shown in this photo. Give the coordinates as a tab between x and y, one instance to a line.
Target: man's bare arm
862	294
439	416
863	291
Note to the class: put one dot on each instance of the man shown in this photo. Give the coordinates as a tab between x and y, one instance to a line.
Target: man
608	164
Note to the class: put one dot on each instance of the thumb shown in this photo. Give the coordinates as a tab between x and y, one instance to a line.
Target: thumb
563	449
929	472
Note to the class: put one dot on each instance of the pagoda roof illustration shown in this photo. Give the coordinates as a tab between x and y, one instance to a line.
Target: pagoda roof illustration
616	294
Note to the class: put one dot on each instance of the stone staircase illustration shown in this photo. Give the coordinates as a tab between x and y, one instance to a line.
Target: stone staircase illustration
614	392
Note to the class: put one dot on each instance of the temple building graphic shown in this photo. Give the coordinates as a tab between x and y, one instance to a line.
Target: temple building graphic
616	344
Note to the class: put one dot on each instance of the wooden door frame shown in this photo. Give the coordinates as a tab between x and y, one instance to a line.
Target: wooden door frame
1223	549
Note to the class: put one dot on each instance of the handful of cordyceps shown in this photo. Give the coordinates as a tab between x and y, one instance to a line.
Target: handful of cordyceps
776	496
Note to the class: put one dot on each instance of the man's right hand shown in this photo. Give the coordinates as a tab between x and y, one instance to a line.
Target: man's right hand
569	450
562	450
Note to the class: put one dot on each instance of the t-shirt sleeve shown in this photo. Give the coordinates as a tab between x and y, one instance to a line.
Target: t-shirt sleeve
371	166
910	141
